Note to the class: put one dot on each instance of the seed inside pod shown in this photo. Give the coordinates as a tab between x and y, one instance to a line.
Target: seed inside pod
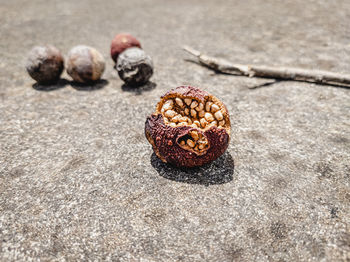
188	101
193	113
222	123
183	119
168	105
170	113
194	104
179	102
189	118
214	108
209	117
195	135
208	106
176	119
218	115
203	122
200	107
201	113
190	143
196	122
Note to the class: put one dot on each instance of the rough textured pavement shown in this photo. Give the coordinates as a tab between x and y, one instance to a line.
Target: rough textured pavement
78	180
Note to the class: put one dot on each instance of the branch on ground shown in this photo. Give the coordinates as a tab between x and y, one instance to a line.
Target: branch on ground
284	73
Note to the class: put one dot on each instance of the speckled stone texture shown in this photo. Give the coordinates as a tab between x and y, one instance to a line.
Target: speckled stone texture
79	181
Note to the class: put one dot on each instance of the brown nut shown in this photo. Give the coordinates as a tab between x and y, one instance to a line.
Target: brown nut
45	64
189	128
121	42
85	64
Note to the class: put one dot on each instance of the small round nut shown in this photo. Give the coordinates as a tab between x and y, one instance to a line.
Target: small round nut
85	64
134	66
121	42
182	143
45	64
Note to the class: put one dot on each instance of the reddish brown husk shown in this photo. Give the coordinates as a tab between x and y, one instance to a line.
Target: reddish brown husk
121	42
165	139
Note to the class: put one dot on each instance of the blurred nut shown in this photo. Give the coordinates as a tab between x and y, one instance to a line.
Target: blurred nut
134	66
45	64
121	42
85	64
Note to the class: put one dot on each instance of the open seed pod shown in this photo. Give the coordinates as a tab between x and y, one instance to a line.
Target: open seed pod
189	128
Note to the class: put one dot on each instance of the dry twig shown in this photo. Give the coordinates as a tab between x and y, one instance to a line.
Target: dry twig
286	73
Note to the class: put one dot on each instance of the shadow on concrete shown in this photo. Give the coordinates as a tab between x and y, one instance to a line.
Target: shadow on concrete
92	86
140	89
218	172
61	83
264	84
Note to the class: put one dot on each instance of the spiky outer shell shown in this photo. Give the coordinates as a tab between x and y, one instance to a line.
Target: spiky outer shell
45	64
134	66
121	42
85	64
165	139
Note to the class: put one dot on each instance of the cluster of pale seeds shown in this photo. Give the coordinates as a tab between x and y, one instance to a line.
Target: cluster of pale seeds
189	112
184	112
195	141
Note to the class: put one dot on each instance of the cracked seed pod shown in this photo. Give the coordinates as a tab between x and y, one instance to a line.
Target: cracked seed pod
45	64
85	64
121	42
189	128
134	66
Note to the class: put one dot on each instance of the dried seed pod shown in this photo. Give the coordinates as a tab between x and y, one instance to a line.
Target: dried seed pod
121	42
134	66
45	64
85	64
186	144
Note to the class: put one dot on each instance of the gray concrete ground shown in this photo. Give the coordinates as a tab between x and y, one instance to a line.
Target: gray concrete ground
78	180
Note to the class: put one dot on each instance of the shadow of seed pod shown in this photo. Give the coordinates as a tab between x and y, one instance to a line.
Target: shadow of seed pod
121	42
85	64
45	64
134	66
189	127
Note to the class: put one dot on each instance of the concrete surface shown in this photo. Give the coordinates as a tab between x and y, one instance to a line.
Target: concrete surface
78	180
